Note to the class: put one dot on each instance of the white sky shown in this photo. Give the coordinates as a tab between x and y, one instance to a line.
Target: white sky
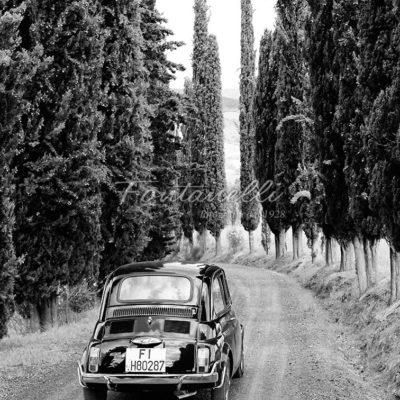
224	23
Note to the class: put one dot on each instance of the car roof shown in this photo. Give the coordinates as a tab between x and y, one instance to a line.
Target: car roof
171	268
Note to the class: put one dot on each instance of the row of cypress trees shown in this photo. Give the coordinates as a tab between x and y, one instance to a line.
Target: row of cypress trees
326	128
87	137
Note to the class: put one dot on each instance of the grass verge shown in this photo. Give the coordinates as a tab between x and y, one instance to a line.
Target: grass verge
28	358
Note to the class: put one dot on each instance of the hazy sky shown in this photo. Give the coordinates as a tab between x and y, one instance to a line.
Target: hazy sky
224	23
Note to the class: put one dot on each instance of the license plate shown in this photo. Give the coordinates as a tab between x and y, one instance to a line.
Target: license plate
145	360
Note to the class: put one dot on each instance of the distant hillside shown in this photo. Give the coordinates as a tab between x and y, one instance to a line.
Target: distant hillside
229	104
231	93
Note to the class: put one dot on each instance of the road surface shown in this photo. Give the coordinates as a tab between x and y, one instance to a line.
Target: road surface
292	352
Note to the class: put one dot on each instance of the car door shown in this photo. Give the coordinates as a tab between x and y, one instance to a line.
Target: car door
236	324
223	313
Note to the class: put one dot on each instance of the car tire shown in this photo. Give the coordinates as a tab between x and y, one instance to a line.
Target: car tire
222	393
94	393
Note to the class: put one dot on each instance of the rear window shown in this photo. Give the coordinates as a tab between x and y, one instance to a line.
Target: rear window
155	287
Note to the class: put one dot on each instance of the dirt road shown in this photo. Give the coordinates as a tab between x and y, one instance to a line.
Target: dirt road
292	352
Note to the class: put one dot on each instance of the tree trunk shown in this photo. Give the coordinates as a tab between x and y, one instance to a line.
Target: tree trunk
34	320
67	305
251	241
393	279
47	310
328	251
373	245
295	244
280	244
203	240
313	249
218	244
370	268
394	276
265	236
360	265
301	243
277	246
346	259
54	310
315	241
298	242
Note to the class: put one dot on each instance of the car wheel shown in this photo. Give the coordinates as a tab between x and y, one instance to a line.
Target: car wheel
222	393
94	393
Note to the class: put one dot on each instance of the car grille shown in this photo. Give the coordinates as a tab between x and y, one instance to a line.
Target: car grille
154	311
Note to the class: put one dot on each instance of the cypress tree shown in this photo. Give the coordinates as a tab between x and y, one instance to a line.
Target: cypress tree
345	40
17	66
381	143
332	34
324	96
290	97
376	63
186	161
215	157
333	63
249	207
125	137
166	117
198	142
60	166
265	118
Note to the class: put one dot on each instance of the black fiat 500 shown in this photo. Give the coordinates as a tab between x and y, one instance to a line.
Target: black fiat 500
164	326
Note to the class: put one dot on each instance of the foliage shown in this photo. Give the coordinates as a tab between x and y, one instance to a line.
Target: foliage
290	93
81	297
236	239
233	205
87	123
265	120
206	129
16	69
308	193
59	163
186	161
376	24
164	124
249	207
214	155
382	145
125	138
198	139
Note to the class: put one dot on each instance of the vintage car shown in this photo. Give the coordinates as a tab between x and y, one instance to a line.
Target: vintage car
165	327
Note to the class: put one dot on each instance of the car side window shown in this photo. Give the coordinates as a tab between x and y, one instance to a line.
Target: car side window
205	303
226	290
217	296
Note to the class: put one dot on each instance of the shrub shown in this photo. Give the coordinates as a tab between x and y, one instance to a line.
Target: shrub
81	297
236	240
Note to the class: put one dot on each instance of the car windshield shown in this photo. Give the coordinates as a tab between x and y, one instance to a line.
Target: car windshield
155	287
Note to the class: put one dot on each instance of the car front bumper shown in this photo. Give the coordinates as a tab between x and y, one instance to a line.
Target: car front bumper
176	381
